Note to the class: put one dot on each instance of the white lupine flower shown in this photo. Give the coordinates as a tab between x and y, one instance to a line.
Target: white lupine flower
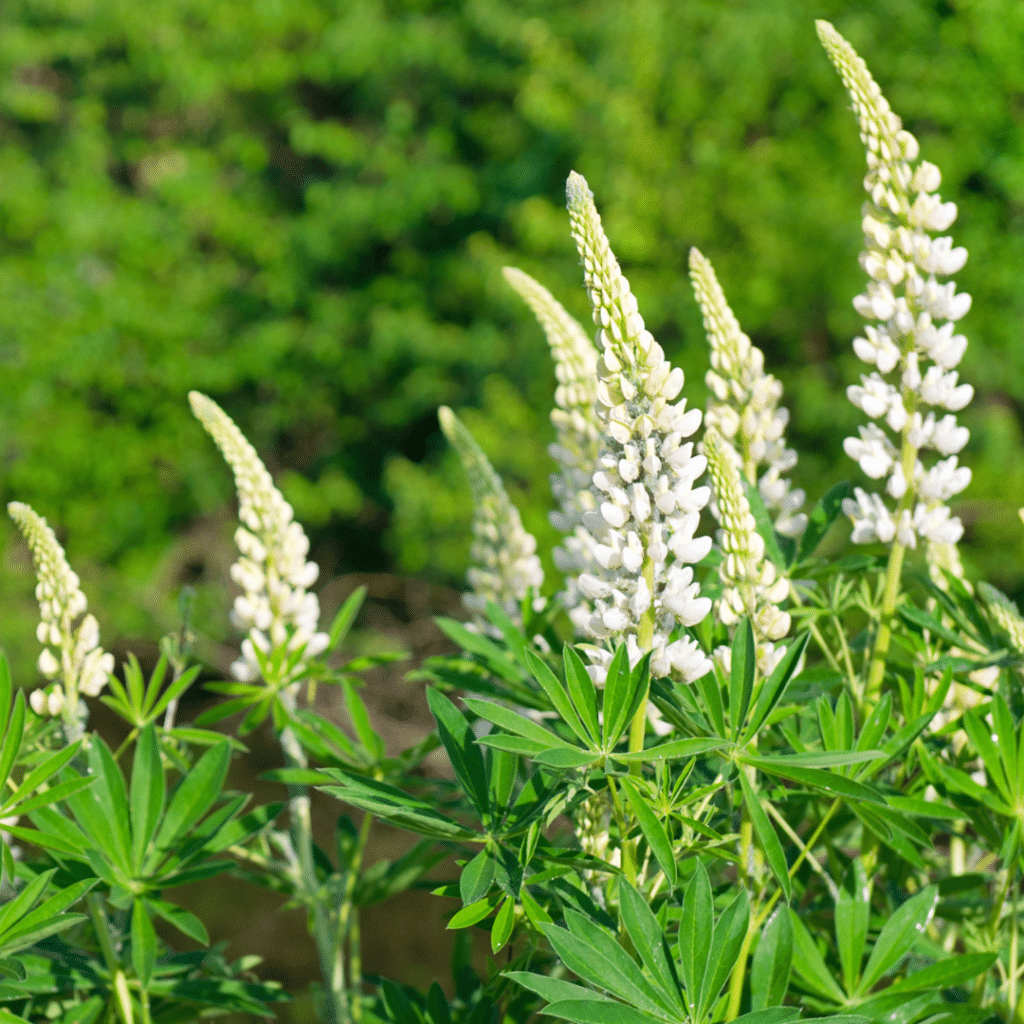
752	585
646	505
505	565
1005	614
905	301
72	655
744	406
576	423
276	608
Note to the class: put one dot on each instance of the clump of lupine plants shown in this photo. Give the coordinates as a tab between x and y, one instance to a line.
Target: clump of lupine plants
718	777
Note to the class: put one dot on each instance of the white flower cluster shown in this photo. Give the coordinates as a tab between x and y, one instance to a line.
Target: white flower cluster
752	585
70	654
276	607
913	350
646	505
505	565
579	432
744	403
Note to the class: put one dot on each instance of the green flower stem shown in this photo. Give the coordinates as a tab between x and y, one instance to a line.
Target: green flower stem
1012	979
348	924
628	851
122	998
894	569
329	951
740	968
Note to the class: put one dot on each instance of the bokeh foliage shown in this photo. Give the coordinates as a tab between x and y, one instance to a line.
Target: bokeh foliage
301	209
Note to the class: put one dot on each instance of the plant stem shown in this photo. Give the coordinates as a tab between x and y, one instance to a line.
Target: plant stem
884	636
301	828
122	998
628	853
347	913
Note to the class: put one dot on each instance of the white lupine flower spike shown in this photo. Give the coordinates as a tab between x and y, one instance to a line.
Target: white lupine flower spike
752	587
276	608
911	325
744	403
71	654
575	420
646	505
505	564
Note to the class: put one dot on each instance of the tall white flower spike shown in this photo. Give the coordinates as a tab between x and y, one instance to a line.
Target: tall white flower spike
71	654
579	432
646	504
752	585
744	403
276	609
505	565
914	389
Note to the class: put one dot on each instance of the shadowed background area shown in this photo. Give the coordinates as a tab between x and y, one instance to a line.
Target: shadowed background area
302	209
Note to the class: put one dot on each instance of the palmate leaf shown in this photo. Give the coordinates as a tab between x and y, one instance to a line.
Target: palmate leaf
653	831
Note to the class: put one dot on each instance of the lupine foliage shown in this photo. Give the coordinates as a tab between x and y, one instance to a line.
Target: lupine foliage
724	776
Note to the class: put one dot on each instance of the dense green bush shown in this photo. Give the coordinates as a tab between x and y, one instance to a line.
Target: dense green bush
301	209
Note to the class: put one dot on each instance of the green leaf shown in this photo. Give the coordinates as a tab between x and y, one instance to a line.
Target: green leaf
494	657
147	794
186	923
674	750
464	754
774	687
653	831
591	1011
823	758
946	973
728	937
808	964
898	935
501	930
741	674
475	912
361	722
589	952
194	795
476	878
831	782
821	517
696	932
143	944
771	1015
565	757
346	615
618	695
773	960
513	722
536	914
766	835
555	989
582	691
853	912
710	689
557	695
12	739
649	941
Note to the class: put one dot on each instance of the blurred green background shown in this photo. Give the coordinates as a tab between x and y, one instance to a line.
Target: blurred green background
301	208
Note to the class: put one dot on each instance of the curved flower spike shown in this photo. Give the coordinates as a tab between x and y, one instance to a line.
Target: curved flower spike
579	431
906	306
646	506
505	566
71	654
744	402
276	607
752	586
